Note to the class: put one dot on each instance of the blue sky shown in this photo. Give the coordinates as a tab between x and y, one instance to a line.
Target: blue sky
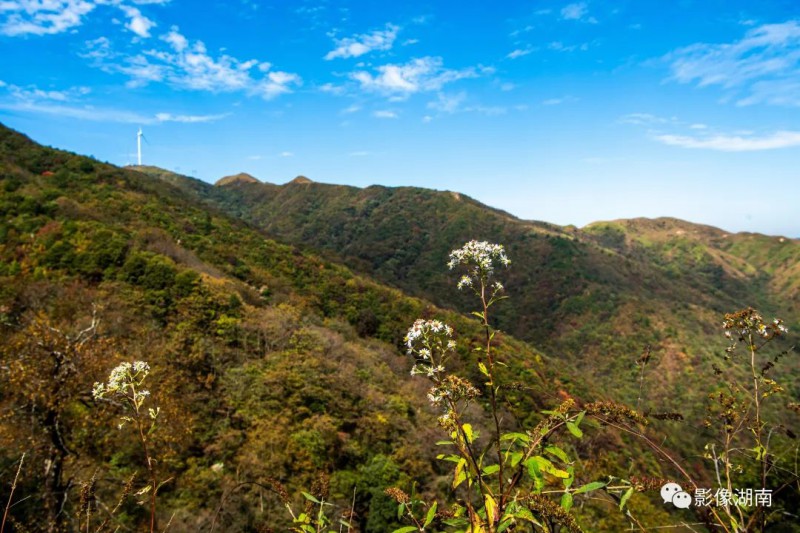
568	112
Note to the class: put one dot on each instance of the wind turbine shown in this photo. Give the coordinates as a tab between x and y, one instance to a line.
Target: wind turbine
139	137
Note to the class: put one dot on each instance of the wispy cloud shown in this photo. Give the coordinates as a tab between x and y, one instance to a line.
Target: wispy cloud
765	64
286	154
558	46
189	119
188	65
559	101
68	103
734	143
418	75
448	104
694	135
645	119
519	52
33	93
384	114
50	17
95	114
577	11
42	17
358	45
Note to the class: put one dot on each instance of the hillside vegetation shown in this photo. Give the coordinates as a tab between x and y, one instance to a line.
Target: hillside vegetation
594	297
274	321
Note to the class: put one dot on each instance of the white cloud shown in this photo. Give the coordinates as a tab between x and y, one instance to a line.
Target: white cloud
519	52
644	119
359	45
188	65
50	17
330	88
765	63
286	154
558	46
360	153
384	114
559	101
491	111
351	109
189	119
66	103
80	113
95	114
577	11
137	23
448	103
31	93
734	143
454	103
418	75
42	17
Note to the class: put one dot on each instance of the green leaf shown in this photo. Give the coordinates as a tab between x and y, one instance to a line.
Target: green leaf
579	418
760	451
491	508
557	452
468	432
535	473
574	429
571	479
460	473
566	501
504	525
516	457
430	516
625	498
310	498
515	437
406	529
491	469
482	368
401	509
594	485
544	465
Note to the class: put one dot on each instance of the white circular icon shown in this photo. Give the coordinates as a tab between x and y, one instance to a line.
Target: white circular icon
682	500
669	490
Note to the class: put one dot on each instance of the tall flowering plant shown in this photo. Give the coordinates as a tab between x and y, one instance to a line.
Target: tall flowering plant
499	479
126	385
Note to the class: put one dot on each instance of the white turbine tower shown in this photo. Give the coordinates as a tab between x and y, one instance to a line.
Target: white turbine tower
139	145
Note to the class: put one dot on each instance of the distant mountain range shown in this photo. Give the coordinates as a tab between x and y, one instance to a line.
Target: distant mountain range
595	296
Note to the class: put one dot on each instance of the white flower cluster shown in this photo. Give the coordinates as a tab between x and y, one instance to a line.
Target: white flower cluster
429	341
423	330
480	258
121	377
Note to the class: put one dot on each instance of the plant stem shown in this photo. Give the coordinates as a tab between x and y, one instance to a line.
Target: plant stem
493	399
11	495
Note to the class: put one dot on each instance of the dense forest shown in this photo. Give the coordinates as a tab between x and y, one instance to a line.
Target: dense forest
273	329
